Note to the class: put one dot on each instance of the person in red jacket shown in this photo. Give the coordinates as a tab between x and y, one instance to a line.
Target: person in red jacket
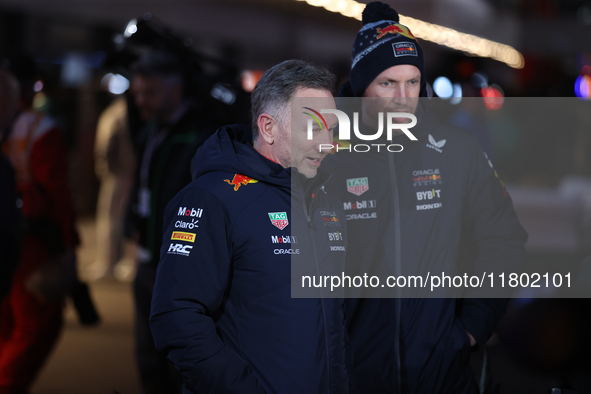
31	314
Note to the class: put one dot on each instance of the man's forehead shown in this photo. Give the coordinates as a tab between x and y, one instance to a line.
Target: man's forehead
399	72
313	99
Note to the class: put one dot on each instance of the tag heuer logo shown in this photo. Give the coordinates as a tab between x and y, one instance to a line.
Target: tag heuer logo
357	186
279	219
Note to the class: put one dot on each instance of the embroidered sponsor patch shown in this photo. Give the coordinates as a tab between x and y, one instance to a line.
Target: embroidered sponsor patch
284	239
193	224
182	236
364	204
358	216
428	177
279	219
335	236
425	207
191	212
286	251
436	145
429	194
180	249
404	49
240	180
394	29
357	186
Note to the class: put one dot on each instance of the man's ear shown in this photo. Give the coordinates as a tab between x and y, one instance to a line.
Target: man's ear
267	128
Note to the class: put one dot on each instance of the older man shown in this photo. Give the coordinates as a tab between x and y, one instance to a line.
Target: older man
222	302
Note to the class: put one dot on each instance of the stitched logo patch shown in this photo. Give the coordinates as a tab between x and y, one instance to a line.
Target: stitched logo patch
357	186
279	219
240	180
404	49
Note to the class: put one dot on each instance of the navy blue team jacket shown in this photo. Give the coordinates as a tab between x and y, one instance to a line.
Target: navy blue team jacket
222	302
432	207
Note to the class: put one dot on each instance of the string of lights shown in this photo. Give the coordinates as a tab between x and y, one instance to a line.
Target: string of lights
472	45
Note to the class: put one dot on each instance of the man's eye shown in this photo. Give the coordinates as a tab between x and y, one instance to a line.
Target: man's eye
386	83
413	81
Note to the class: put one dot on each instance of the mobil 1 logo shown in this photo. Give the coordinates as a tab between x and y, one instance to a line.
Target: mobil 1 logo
363	204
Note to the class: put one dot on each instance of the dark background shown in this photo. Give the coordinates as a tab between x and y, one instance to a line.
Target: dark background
546	174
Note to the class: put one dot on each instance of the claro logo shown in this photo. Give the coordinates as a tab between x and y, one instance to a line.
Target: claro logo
345	129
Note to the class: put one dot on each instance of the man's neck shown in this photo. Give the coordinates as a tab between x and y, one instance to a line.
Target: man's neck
264	149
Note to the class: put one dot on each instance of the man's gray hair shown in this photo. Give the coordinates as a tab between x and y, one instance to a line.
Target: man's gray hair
280	83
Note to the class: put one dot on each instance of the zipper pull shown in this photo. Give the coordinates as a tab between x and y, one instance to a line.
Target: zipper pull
309	219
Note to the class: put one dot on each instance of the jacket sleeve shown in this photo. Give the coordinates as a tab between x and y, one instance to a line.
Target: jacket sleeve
191	281
495	242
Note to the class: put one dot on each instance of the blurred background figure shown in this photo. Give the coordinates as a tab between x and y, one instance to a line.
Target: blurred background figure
9	226
9	212
31	314
115	164
175	128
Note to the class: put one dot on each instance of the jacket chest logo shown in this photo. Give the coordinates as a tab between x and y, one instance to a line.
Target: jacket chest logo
436	145
357	186
240	180
279	219
430	177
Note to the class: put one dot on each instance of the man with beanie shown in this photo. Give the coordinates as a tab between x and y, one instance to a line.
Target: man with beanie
417	345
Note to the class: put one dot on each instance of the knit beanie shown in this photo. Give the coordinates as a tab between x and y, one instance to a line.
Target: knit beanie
382	43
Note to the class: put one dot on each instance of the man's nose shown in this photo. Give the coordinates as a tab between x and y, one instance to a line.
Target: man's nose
401	91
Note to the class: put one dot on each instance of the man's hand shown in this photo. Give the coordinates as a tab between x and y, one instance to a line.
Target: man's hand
472	340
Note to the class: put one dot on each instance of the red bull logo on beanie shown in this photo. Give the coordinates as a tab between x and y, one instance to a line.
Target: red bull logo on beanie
240	180
394	29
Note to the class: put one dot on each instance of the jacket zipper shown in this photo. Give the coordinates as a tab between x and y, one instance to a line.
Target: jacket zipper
397	270
307	213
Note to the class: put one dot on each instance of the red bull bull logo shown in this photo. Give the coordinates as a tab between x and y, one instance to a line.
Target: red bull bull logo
426	178
394	29
240	180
